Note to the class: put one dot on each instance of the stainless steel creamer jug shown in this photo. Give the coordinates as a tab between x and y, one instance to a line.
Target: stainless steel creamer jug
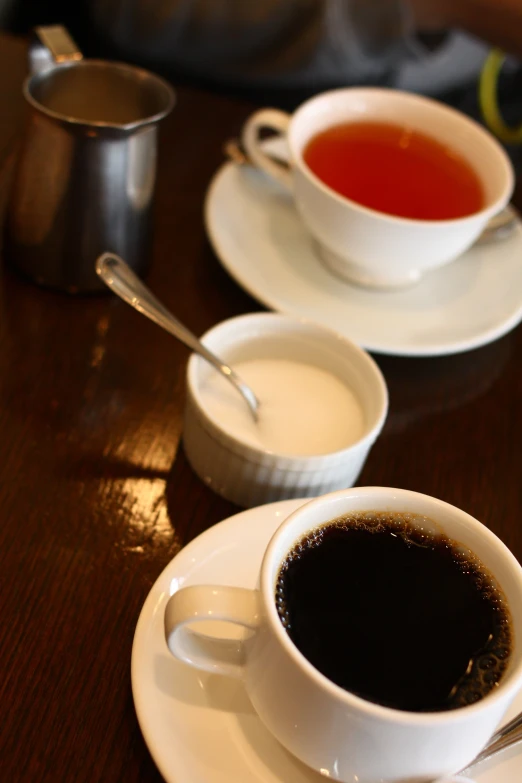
84	180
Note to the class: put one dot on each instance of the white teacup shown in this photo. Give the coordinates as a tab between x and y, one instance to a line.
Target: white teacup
341	735
362	245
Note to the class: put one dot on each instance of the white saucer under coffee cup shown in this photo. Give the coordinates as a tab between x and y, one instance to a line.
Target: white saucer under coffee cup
343	736
362	245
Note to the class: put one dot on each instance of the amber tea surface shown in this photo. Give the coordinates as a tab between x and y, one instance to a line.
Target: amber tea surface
396	170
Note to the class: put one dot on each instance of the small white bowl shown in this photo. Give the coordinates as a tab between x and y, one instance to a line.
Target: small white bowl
250	476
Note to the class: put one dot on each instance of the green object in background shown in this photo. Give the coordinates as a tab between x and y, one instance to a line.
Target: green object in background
488	90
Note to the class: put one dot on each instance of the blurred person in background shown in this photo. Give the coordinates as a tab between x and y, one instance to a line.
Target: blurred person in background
428	46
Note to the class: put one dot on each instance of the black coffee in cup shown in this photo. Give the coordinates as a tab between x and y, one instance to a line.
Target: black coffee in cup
394	614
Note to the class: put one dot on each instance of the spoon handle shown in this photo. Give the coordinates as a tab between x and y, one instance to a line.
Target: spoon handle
121	279
508	735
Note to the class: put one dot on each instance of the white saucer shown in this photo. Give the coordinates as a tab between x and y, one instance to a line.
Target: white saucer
201	728
259	239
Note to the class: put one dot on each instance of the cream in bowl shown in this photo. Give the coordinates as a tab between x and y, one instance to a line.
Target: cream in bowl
389	185
300	407
323	402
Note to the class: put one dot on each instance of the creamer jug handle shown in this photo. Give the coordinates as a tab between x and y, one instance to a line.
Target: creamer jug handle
50	46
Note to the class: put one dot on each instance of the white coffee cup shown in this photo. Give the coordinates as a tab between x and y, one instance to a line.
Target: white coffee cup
341	735
359	244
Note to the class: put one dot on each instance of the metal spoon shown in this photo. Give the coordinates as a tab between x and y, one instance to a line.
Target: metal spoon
120	278
235	152
499	227
504	738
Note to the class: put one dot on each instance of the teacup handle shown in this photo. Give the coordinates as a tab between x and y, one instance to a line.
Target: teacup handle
191	605
274	120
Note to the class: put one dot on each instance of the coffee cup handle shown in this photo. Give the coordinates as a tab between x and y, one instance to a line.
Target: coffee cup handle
192	605
272	119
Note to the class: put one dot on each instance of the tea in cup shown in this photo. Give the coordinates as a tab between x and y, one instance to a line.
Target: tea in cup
383	641
389	184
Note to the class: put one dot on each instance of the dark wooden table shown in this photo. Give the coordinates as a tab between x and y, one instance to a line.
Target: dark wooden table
96	496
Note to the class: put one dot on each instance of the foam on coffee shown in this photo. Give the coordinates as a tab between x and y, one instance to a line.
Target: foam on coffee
395	613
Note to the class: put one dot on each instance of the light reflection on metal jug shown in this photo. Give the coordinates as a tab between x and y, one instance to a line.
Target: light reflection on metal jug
84	180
